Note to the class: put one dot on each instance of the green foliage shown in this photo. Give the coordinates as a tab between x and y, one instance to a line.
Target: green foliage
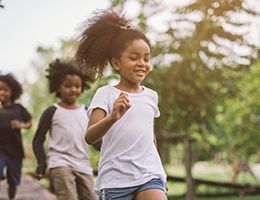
196	62
239	119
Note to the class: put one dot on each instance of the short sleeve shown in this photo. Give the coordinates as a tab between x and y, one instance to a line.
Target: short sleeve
26	116
157	111
100	100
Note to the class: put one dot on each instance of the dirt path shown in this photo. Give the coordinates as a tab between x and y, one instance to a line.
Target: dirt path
30	189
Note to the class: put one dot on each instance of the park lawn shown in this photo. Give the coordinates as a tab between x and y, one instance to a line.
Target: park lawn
176	189
234	198
222	198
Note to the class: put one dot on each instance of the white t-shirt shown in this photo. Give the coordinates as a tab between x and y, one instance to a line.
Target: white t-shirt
128	154
66	144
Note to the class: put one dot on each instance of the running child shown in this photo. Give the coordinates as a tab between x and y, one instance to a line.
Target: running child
122	114
71	174
13	118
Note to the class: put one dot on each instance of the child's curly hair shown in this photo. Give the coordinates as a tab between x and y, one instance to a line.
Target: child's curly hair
15	86
105	36
59	69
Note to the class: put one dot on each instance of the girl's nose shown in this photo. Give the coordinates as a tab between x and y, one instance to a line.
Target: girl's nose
141	62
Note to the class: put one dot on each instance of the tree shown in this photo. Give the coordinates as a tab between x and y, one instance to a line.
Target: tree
1	5
239	122
195	60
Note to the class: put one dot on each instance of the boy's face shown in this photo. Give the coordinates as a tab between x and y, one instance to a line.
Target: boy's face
70	89
5	93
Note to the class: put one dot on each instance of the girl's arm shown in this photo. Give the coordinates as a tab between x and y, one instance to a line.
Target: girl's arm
100	122
154	140
98	125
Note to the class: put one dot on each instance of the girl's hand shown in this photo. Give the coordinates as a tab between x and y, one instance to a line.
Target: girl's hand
121	105
16	124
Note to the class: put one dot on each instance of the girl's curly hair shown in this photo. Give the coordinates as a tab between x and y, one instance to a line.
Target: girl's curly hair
16	87
103	37
58	70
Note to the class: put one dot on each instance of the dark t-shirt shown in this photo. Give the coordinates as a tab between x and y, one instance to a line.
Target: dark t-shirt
10	139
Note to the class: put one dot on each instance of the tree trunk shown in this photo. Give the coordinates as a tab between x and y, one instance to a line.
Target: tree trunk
240	165
234	166
191	194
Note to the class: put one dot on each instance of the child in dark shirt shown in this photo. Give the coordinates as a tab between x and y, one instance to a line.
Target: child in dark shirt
13	117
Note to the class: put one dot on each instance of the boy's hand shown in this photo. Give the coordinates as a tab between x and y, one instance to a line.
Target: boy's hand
38	176
35	175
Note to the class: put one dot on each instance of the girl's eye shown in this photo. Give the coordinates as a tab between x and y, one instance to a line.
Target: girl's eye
133	58
147	60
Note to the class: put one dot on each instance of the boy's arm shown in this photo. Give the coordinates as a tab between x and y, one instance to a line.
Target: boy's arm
39	138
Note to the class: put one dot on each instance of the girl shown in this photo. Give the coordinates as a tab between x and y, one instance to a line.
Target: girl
13	118
122	115
69	164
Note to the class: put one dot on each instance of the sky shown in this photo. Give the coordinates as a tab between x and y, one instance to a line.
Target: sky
26	24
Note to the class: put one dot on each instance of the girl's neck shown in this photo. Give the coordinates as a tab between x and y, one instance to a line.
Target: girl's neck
129	88
69	106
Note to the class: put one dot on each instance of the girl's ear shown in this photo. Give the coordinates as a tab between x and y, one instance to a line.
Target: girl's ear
115	64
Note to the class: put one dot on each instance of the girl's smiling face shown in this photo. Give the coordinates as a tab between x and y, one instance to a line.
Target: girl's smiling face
70	89
133	64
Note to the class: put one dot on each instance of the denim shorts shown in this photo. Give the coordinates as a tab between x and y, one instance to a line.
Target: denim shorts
128	193
13	170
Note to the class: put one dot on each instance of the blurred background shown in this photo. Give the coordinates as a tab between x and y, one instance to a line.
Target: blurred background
206	71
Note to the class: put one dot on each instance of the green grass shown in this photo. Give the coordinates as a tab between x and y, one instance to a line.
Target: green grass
176	189
222	198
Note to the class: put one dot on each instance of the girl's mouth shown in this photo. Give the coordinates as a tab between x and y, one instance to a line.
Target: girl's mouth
140	72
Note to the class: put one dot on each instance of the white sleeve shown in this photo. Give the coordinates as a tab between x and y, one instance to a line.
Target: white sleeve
99	101
157	111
